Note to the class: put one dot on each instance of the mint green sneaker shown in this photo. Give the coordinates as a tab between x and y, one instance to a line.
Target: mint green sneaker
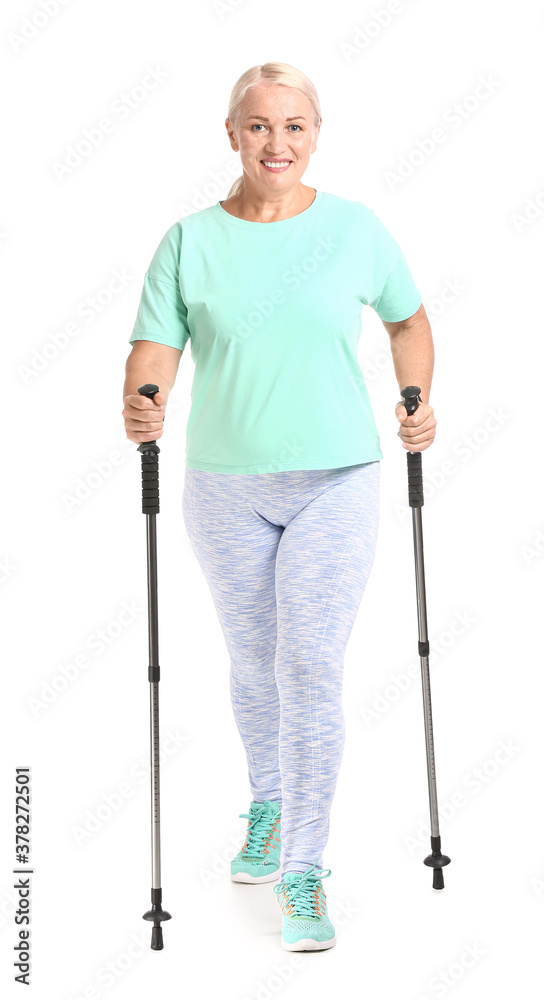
259	858
306	925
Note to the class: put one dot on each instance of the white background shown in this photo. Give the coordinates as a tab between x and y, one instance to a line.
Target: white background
466	215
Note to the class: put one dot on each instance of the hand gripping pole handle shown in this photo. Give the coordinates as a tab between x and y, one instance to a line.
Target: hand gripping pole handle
150	463
410	394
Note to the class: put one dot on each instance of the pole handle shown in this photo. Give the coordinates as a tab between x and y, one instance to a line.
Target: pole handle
150	462
410	394
149	390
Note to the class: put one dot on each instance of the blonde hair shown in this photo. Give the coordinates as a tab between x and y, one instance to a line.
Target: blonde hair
277	72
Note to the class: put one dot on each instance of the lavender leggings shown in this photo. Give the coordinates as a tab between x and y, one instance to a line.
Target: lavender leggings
287	556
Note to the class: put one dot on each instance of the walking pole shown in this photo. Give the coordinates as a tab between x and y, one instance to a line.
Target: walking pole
150	507
436	859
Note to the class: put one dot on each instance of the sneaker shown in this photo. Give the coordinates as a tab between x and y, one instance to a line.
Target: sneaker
306	925
259	858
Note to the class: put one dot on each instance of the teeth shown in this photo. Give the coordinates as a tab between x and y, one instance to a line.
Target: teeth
277	166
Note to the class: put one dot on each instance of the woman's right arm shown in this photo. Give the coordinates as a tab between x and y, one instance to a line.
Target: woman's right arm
148	362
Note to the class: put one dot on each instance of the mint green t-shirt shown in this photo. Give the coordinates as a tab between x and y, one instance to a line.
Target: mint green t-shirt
273	313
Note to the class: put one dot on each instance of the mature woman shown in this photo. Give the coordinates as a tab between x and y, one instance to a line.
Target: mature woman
281	486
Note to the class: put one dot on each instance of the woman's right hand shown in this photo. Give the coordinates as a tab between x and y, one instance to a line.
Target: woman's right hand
144	416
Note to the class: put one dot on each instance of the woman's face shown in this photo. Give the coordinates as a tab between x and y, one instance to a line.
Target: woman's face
263	131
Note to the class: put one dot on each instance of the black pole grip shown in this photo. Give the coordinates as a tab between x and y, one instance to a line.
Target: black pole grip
150	463
410	394
415	479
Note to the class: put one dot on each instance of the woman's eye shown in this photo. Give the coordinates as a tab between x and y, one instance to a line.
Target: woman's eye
260	125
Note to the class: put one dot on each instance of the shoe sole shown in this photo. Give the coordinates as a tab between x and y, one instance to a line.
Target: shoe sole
308	944
244	877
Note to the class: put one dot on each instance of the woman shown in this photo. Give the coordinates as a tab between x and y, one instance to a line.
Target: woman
281	484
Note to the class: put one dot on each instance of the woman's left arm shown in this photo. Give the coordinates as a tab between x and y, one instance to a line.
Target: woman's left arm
413	359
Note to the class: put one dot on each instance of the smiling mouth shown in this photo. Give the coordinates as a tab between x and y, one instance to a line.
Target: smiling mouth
276	164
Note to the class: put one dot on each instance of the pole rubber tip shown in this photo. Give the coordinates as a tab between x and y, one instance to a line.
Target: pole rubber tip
438	879
156	914
437	861
156	938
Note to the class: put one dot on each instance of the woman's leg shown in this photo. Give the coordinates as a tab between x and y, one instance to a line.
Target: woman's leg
287	556
323	562
236	549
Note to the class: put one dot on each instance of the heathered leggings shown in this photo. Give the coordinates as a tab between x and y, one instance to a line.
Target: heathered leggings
287	556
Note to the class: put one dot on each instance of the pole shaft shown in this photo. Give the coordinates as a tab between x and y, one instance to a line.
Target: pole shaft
425	676
153	632
155	788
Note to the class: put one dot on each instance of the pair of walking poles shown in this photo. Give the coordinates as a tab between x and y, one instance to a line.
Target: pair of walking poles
150	507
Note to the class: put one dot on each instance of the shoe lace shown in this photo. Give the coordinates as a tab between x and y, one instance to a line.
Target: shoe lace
306	893
259	828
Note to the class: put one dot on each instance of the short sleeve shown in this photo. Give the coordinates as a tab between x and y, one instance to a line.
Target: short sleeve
162	313
394	295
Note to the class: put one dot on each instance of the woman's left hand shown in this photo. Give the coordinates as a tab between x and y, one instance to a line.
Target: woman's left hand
416	431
